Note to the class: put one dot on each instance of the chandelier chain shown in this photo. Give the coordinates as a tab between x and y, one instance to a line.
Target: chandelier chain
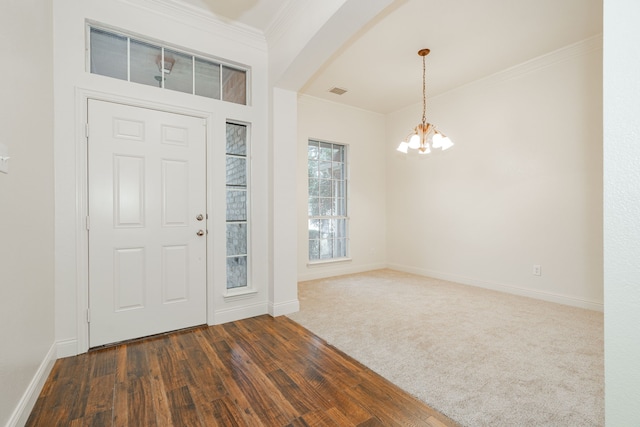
424	91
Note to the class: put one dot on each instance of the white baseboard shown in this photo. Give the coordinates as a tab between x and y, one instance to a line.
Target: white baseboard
238	313
283	308
530	293
67	348
320	271
25	405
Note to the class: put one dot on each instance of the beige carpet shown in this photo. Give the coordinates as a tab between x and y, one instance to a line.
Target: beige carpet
482	358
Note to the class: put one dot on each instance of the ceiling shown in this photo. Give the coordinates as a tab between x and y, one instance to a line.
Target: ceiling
258	14
469	39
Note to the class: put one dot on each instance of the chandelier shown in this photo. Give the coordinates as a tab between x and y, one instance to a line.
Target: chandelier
425	136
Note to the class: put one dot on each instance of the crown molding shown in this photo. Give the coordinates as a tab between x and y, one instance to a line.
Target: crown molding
195	17
580	48
292	11
583	47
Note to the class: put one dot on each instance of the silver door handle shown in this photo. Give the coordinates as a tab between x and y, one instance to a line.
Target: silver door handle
200	217
200	233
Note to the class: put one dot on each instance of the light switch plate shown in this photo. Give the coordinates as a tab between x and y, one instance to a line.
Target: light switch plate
4	158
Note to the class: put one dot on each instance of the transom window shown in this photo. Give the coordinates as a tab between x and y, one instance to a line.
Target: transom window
122	57
328	220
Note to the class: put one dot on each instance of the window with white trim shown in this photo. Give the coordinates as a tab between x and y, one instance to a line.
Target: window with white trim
237	206
327	203
117	55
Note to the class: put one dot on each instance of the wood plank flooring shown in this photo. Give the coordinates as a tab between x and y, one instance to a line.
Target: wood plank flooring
255	372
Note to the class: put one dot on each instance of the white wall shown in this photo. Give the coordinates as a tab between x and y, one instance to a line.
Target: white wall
522	185
364	133
305	36
283	285
168	23
26	205
622	212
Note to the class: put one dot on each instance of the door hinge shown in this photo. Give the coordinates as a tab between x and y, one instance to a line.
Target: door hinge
86	130
87	222
88	315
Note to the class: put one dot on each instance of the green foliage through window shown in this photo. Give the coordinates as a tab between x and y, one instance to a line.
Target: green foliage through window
327	202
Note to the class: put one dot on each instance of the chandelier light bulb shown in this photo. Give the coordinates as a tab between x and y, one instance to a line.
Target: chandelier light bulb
437	140
414	142
403	147
446	143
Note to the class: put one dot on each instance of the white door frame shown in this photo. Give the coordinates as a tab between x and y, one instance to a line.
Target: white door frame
82	236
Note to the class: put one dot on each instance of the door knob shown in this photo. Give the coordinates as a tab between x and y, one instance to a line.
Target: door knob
200	233
200	217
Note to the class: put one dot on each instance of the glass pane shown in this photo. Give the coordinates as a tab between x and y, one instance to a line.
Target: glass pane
340	207
332	224
314	206
326	207
236	272
324	188
146	60
314	249
236	239
314	187
236	139
326	248
178	71
314	229
108	54
234	85
313	150
236	205
325	228
341	228
338	171
313	168
338	153
236	171
207	79
325	151
324	170
338	188
339	248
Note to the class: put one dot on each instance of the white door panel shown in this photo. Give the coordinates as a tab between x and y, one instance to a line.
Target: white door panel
147	264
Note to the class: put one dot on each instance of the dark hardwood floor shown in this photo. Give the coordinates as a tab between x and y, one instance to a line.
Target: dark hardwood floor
255	372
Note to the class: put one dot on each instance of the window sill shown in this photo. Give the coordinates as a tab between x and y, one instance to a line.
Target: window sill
327	261
235	294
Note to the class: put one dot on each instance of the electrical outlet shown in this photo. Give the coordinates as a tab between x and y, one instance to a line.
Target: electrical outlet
537	270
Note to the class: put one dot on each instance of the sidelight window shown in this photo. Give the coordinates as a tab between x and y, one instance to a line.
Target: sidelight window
237	206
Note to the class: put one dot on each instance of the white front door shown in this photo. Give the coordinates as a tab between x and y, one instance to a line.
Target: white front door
147	222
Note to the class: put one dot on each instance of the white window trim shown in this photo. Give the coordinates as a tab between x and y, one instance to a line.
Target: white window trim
242	292
163	45
321	262
235	294
347	217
